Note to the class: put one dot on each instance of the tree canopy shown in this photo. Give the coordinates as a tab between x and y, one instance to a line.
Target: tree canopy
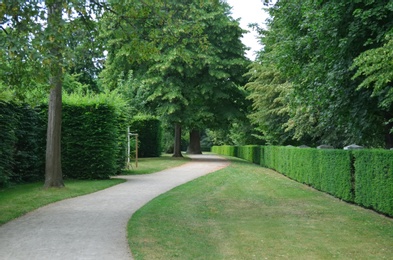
313	46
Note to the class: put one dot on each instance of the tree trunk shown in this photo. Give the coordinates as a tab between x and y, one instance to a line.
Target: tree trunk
195	143
177	146
53	172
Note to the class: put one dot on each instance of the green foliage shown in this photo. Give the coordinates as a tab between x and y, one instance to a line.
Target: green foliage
189	68
248	212
249	153
376	69
269	94
21	145
30	147
8	139
148	129
326	170
374	179
94	136
310	46
228	150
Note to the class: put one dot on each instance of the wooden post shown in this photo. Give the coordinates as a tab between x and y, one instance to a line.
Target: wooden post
129	148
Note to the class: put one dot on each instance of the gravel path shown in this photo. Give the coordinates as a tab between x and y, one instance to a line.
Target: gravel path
94	226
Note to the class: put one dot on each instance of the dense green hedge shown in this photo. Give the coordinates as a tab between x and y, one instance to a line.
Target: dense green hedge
363	176
249	153
93	140
374	179
89	141
20	144
326	170
30	146
149	135
8	124
225	150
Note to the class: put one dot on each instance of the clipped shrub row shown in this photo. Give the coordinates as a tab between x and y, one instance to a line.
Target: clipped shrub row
93	141
149	135
374	179
20	144
364	177
90	145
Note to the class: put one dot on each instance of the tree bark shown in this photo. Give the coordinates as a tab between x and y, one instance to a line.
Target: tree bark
53	172
177	146
195	143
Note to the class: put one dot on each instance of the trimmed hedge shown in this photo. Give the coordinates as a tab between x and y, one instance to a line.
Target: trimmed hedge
30	146
249	153
374	179
149	135
8	124
89	141
326	170
20	144
93	140
228	150
362	176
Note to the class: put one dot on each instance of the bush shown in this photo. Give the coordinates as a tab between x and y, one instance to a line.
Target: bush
326	170
89	141
21	138
30	146
374	179
149	135
8	124
249	153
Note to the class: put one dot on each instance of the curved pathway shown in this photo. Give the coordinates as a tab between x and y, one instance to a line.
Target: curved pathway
94	226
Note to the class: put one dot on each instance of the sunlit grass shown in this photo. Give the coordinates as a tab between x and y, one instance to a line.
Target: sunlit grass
248	212
20	199
17	200
151	165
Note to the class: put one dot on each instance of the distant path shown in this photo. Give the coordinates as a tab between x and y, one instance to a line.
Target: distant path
94	226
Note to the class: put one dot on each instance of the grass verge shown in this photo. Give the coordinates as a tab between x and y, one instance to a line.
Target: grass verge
150	165
248	212
17	200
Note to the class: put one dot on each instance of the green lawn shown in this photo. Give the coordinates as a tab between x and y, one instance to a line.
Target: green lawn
248	212
150	165
20	199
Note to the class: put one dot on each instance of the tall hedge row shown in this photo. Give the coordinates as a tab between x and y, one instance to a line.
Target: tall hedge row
8	123
93	140
374	179
364	176
149	135
89	141
20	144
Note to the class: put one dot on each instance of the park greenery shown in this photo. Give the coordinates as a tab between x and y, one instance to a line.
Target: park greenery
323	76
249	212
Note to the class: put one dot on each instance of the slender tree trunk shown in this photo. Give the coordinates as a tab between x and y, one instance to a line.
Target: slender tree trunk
195	143
53	172
177	146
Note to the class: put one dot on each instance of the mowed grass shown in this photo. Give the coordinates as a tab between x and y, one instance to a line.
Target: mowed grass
151	165
248	212
17	200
